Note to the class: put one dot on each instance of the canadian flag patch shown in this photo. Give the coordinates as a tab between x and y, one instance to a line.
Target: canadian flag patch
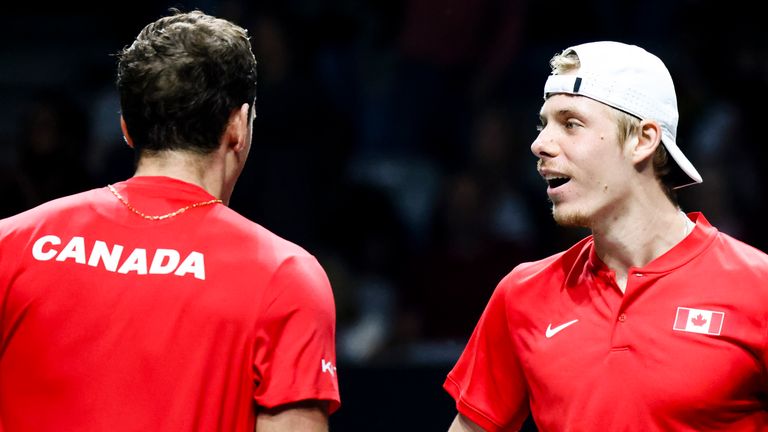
699	321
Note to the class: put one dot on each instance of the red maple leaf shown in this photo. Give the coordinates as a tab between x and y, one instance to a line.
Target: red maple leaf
698	321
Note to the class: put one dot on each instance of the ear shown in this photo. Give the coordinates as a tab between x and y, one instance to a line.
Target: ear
126	135
236	135
647	140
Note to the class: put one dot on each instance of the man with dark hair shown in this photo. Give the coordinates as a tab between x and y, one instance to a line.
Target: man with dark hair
149	304
655	322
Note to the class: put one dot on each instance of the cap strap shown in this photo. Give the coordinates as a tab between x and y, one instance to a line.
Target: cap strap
577	85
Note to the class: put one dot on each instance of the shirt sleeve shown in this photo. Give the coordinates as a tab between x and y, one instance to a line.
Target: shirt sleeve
295	356
487	382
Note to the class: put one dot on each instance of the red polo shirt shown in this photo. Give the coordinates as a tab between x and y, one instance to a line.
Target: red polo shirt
111	322
683	349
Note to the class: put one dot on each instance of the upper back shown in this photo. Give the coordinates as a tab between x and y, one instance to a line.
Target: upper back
150	323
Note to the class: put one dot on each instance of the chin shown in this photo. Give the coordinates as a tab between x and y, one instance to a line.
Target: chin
571	218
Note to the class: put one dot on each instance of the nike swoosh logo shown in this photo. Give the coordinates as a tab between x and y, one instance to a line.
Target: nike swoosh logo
553	331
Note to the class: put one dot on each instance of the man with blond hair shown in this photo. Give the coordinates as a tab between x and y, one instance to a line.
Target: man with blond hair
656	321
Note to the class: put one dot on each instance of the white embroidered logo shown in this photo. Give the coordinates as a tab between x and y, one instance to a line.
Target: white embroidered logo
328	367
553	331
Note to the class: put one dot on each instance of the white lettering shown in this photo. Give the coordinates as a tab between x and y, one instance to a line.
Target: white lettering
136	261
102	253
74	249
195	264
110	257
328	367
37	248
158	267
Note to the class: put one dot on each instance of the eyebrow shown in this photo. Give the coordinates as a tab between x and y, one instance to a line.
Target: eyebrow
564	112
568	111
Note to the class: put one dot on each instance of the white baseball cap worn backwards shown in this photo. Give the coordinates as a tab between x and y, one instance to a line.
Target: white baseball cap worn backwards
632	80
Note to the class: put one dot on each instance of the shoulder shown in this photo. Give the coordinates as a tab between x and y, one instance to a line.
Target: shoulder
248	234
551	271
723	252
287	268
735	253
299	286
57	209
292	269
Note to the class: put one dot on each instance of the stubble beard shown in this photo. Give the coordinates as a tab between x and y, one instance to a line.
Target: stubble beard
570	219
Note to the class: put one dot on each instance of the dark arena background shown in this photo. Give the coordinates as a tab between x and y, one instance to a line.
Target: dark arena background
392	142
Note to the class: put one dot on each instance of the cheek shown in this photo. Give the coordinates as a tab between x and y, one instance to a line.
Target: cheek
617	180
603	177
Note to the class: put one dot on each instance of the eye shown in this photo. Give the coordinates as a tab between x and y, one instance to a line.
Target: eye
570	124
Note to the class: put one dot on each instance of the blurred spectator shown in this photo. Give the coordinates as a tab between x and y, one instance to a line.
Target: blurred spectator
725	125
730	177
299	145
450	282
367	256
52	145
453	55
500	159
109	159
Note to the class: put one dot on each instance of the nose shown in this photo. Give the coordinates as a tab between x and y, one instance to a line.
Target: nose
544	145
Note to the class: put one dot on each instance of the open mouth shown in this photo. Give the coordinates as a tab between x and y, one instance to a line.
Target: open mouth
556	182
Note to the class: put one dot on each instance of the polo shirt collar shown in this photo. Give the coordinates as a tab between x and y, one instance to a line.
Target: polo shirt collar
702	235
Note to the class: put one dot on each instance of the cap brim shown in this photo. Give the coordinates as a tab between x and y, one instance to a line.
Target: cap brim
685	165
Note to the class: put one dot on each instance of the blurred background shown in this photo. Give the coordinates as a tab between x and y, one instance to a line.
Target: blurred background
392	142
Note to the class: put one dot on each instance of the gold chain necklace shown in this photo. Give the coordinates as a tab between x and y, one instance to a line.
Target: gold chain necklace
160	217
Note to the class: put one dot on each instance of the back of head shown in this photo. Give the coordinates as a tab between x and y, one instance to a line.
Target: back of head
180	80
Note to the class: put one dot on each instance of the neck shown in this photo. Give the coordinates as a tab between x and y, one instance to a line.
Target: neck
639	235
205	171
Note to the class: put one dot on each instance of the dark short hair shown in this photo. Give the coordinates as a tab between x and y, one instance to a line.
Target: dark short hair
181	79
